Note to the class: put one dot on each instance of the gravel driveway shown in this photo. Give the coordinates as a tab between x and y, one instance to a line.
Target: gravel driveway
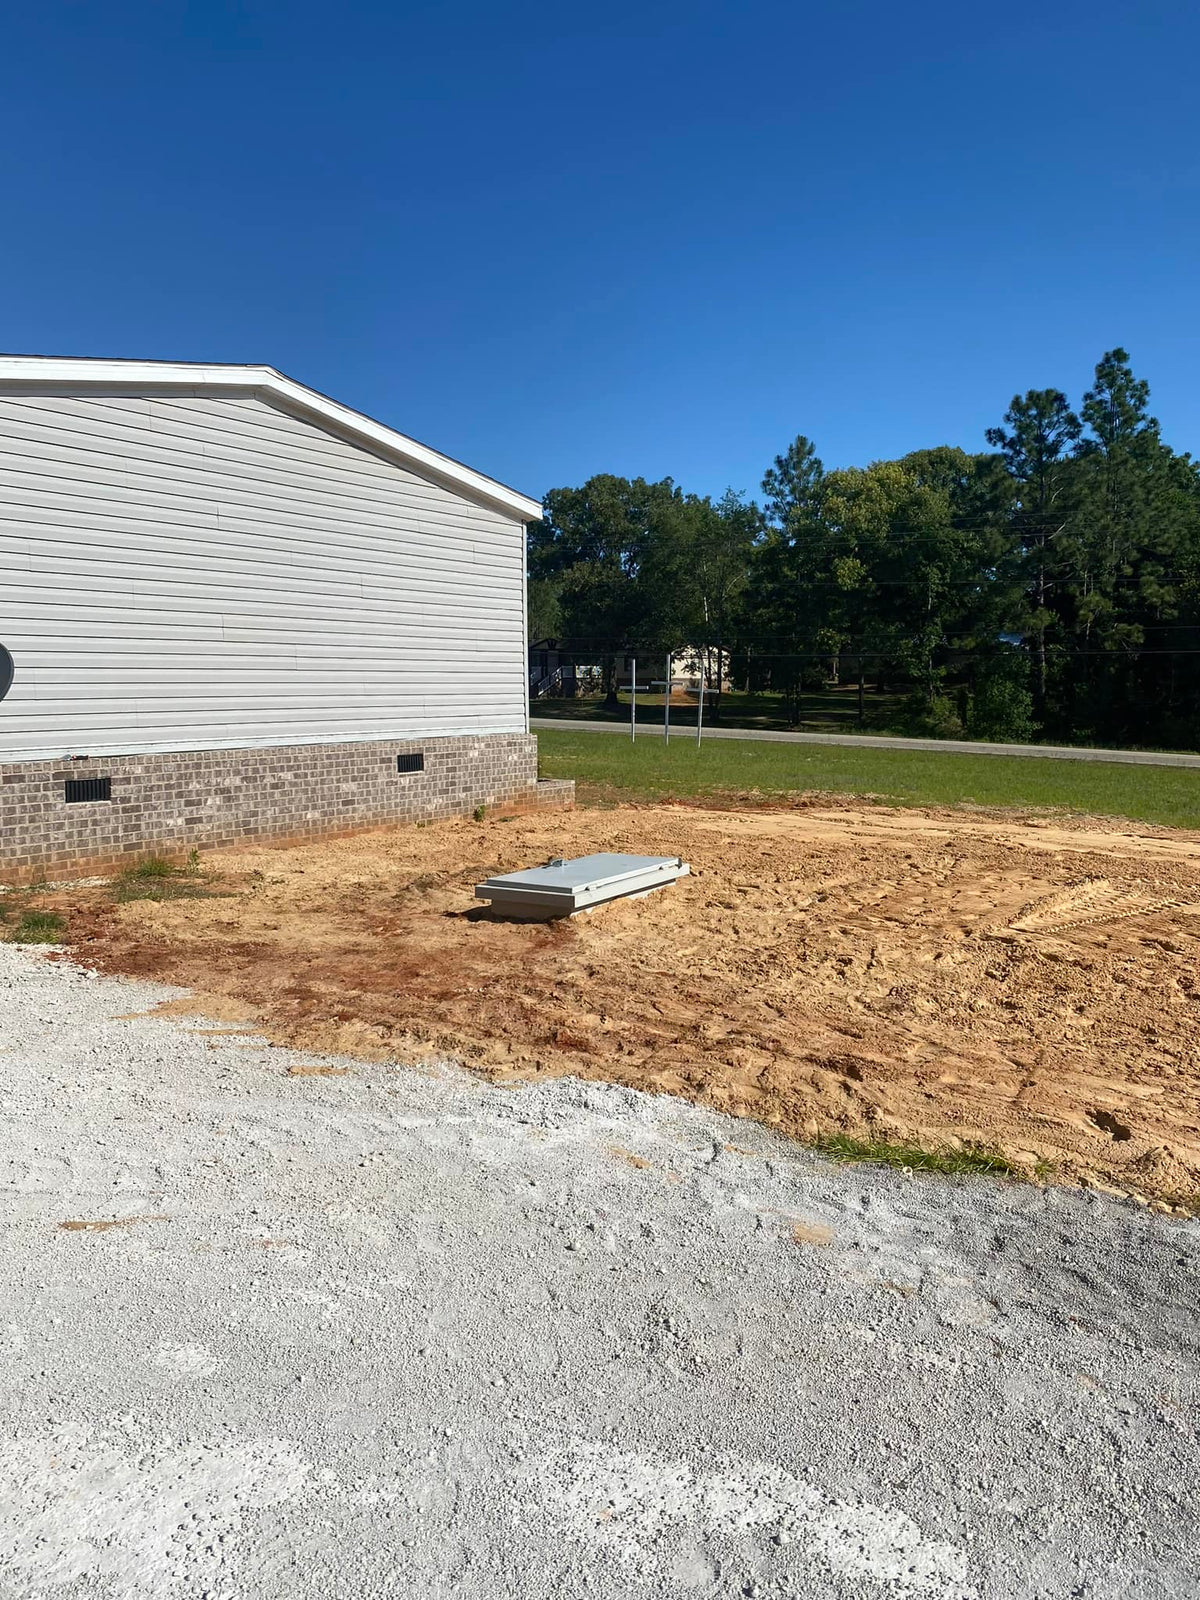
386	1331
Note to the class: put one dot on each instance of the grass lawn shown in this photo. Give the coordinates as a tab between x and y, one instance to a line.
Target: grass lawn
821	711
825	710
611	767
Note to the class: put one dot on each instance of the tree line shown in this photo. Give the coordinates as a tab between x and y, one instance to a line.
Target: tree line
1047	587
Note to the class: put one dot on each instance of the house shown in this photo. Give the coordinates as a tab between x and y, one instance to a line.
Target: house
557	672
223	606
687	664
551	671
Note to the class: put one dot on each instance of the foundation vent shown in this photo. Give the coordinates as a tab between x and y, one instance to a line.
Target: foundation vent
80	789
411	761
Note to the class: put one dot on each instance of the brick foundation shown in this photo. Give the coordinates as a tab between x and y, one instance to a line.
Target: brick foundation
173	802
555	794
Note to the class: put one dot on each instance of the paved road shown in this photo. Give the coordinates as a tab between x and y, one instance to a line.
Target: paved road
272	1333
878	741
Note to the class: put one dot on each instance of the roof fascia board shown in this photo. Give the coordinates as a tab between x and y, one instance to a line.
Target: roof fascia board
396	447
51	372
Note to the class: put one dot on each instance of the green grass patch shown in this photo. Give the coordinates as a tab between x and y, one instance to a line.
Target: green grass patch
913	1158
37	927
607	765
153	867
159	878
821	711
827	710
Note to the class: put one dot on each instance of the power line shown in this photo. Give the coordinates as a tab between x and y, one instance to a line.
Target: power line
997	524
985	587
966	653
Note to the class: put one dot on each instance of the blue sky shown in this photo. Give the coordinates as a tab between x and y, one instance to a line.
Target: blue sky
656	238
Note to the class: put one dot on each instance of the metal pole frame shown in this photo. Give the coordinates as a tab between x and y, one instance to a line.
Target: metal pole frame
633	699
700	711
667	704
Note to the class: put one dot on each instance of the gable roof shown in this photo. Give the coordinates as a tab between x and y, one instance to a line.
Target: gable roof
59	372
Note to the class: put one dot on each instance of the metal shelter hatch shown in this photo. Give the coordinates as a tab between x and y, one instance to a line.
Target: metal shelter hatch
561	888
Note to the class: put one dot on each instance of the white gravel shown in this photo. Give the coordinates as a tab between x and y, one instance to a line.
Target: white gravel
399	1333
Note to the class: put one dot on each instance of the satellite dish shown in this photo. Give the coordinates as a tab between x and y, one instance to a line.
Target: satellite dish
6	672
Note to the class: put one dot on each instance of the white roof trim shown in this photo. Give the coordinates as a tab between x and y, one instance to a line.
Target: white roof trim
53	371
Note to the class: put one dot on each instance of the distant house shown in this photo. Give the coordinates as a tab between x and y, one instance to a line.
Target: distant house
689	663
224	601
557	671
551	670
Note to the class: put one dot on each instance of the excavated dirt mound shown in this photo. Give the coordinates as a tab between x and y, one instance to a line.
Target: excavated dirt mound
887	974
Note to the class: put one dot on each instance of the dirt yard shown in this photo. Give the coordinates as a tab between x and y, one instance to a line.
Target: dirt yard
889	974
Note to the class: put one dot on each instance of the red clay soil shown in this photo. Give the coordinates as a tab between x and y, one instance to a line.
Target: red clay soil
936	977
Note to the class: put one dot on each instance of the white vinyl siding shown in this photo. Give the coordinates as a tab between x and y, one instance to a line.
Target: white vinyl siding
193	570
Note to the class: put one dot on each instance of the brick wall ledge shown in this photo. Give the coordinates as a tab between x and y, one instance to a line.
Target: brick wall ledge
555	794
